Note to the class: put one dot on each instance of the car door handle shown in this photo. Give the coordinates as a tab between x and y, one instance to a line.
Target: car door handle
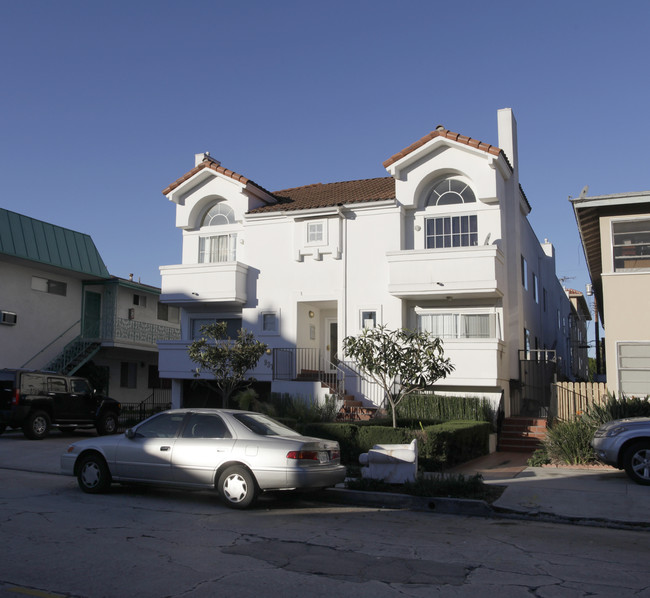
165	448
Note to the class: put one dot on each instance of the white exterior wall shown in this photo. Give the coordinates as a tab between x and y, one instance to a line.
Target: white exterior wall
373	258
43	318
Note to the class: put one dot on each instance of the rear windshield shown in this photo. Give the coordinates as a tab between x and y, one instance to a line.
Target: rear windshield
7	379
264	426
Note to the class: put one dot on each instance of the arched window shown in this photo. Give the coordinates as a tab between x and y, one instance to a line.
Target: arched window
450	191
221	247
220	213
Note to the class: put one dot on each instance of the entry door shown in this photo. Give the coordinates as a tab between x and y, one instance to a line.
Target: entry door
92	314
331	340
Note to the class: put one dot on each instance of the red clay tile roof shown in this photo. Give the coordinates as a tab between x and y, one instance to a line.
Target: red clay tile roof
442	132
325	195
212	165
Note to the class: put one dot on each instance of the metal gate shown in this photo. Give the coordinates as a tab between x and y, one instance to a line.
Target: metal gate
531	397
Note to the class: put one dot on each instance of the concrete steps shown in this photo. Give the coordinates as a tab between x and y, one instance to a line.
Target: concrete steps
522	434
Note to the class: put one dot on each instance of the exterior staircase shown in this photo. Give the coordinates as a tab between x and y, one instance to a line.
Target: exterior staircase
351	410
522	434
74	355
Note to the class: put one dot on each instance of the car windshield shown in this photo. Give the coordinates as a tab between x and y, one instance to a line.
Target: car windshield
264	426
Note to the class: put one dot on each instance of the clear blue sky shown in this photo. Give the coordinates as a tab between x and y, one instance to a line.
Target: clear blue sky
103	104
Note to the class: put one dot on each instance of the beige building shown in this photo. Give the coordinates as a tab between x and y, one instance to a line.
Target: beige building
615	233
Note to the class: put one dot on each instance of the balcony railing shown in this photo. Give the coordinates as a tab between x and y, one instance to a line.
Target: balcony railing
133	331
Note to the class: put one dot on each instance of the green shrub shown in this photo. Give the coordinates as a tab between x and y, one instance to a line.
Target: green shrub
569	442
368	436
452	443
445	408
614	408
439	446
284	406
538	458
345	434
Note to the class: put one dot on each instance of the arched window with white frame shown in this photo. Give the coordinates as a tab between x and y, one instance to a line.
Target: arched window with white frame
218	246
450	230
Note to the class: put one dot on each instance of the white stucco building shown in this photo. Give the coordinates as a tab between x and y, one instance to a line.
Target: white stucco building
442	243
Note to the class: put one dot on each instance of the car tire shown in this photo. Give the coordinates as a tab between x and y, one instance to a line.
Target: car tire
237	487
107	423
93	475
37	425
636	461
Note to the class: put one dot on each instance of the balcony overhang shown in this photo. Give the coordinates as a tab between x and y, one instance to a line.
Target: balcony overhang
188	284
468	272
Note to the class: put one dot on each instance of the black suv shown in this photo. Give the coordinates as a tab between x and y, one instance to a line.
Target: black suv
37	401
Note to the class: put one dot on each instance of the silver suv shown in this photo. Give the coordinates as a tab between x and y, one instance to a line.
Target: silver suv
625	444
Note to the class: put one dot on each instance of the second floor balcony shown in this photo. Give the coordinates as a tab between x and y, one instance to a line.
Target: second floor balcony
439	273
213	282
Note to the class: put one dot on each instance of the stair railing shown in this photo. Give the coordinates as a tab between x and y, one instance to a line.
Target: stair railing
76	348
333	376
361	385
46	347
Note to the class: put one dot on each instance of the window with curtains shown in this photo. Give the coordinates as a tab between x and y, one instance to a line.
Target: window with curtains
218	248
459	325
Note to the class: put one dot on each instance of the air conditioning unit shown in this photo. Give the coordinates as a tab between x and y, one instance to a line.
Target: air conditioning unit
8	317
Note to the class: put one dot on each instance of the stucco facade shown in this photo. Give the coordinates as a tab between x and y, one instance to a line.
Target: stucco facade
615	232
442	244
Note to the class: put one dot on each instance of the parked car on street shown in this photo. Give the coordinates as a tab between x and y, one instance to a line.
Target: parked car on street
625	444
238	453
37	401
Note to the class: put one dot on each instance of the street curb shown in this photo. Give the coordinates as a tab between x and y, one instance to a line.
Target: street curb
391	500
464	506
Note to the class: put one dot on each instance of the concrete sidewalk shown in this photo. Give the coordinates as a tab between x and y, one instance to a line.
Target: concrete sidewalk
597	494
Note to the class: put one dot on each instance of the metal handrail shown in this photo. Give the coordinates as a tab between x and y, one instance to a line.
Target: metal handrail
51	343
363	386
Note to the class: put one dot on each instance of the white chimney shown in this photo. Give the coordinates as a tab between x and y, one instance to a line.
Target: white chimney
507	128
198	158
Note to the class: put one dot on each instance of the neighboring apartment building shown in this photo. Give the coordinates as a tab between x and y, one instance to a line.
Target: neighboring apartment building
61	309
615	233
578	341
442	244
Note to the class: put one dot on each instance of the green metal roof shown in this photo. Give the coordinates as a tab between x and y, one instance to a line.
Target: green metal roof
38	241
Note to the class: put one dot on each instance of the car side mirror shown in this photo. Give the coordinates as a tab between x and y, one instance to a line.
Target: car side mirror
130	433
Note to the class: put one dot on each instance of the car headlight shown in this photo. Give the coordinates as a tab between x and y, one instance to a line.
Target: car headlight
615	431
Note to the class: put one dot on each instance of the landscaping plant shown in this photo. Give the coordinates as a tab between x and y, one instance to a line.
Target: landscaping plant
401	362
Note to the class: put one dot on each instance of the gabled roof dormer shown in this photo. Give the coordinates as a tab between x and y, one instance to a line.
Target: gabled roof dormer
208	180
436	141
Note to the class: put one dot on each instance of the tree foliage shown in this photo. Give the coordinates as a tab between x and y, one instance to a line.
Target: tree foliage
227	359
401	361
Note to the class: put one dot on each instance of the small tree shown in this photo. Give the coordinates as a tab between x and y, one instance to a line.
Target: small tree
401	361
227	359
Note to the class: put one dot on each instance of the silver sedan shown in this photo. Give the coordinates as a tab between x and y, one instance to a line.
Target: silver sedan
240	453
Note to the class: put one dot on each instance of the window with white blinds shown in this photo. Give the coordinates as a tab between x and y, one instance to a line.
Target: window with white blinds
458	325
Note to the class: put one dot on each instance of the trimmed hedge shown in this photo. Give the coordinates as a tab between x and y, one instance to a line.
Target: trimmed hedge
440	446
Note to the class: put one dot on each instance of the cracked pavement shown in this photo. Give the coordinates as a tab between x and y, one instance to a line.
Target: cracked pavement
152	543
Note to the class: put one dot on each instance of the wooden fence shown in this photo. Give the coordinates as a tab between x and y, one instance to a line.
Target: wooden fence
572	398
